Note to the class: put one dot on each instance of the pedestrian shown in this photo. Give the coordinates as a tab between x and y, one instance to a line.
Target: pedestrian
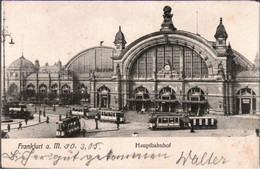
8	127
47	120
60	117
192	128
20	126
54	108
97	117
39	119
26	120
40	112
257	132
44	113
84	132
118	121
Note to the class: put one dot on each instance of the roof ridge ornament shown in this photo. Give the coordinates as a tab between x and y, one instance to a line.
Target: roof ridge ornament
167	24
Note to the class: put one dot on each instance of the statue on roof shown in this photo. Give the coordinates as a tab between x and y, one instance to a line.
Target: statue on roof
167	19
167	14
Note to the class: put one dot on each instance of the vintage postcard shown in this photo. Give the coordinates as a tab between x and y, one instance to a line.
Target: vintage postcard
120	84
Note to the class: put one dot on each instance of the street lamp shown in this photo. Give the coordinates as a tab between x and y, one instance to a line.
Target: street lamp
4	34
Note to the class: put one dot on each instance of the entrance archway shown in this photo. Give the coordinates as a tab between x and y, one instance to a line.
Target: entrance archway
196	102
140	99
166	100
246	101
103	97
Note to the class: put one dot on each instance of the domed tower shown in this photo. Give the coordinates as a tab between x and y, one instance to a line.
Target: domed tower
17	72
221	37
119	41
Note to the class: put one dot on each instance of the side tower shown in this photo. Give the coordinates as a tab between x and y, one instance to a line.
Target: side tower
119	42
221	37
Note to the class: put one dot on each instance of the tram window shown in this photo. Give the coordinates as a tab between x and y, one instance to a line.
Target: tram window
197	121
165	120
160	120
177	120
171	120
203	121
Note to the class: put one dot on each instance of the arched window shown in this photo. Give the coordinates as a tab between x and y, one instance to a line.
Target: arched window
167	93
31	88
43	88
65	89
103	97
54	88
194	66
141	93
246	101
196	94
82	89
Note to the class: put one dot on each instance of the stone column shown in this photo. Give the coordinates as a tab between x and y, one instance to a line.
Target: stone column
224	100
231	98
240	104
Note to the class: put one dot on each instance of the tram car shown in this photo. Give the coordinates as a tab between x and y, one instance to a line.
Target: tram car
68	127
172	121
111	115
82	112
203	122
168	121
19	111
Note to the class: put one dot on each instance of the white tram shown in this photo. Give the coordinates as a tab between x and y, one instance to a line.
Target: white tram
82	111
203	122
111	115
173	121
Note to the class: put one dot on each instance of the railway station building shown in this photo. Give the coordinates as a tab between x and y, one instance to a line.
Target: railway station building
169	70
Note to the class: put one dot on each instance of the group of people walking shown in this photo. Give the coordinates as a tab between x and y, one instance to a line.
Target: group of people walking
26	119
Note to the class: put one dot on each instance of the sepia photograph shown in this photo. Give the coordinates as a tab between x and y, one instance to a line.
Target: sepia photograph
121	69
129	84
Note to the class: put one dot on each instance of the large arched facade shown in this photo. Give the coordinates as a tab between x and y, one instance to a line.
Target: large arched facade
178	59
167	71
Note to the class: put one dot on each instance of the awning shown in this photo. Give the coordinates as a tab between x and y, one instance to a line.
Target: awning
139	100
166	101
194	101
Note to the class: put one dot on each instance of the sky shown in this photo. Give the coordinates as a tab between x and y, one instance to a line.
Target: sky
52	31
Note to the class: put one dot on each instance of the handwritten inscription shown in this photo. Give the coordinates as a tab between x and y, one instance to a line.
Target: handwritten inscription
93	154
205	159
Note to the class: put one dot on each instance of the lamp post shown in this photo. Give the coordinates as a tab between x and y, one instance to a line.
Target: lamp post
4	34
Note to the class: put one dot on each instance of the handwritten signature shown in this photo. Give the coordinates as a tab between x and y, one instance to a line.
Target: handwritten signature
191	158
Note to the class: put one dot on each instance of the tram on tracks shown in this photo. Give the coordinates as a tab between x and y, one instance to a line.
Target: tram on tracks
19	111
82	112
68	127
111	115
203	122
175	121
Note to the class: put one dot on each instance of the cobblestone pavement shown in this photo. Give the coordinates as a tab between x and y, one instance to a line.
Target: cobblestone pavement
228	126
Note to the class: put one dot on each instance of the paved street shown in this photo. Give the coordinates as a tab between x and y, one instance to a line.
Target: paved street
228	126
